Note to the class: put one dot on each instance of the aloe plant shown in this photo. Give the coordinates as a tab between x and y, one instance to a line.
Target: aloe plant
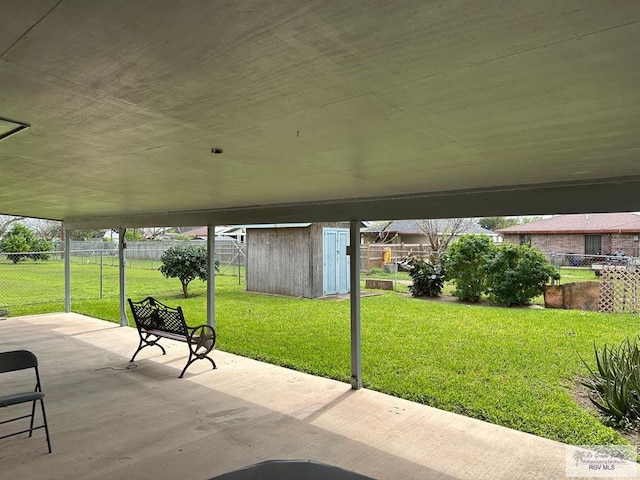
615	383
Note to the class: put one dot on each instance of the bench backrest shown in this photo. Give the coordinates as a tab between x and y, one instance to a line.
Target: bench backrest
150	314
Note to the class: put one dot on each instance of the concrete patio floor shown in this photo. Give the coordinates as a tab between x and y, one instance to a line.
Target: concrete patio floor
108	421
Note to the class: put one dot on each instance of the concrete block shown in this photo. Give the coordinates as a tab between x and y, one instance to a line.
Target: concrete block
378	284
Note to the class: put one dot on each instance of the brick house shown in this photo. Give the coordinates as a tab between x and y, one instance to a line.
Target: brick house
586	234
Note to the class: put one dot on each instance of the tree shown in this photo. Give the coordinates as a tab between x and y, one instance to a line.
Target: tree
186	263
466	263
151	233
440	233
496	223
384	235
6	221
49	229
20	240
133	234
81	235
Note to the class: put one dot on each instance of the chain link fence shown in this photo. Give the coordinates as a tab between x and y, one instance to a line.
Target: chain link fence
592	262
372	255
38	277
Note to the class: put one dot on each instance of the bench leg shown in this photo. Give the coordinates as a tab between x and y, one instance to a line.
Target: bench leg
212	362
184	370
192	358
146	343
189	362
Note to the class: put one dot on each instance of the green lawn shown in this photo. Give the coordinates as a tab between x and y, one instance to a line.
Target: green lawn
569	275
513	367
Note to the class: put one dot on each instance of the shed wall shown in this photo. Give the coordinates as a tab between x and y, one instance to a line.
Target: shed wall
279	261
287	261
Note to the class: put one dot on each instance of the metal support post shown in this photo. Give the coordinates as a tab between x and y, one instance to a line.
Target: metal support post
122	259
211	276
354	277
67	270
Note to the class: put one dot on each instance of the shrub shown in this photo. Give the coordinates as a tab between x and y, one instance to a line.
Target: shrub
185	262
516	274
466	263
428	278
615	384
20	240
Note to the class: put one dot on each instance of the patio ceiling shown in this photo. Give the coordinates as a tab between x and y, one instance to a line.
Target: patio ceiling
323	110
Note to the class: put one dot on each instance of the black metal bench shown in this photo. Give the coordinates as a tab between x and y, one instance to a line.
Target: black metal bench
154	321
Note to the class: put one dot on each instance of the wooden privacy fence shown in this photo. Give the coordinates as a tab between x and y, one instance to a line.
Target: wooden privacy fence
372	254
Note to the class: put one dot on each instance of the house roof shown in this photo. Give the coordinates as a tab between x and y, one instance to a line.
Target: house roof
316	111
203	231
410	227
580	223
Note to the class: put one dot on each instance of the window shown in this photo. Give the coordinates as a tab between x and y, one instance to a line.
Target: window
525	239
593	244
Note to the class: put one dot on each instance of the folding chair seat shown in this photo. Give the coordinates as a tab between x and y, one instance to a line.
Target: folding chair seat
23	360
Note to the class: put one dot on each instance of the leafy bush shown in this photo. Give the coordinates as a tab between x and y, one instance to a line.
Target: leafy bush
615	384
185	262
428	278
20	240
516	274
466	263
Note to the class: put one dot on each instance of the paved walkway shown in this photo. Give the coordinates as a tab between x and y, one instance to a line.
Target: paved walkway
112	422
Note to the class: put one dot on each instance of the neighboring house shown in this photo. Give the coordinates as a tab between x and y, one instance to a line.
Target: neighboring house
201	233
587	234
408	232
298	259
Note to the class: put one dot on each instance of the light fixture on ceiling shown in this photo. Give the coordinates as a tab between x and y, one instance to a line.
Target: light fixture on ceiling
10	127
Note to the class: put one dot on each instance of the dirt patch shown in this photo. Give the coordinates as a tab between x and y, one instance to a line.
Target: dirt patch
451	299
580	394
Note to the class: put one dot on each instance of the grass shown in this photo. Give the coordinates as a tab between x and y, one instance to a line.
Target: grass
512	367
569	275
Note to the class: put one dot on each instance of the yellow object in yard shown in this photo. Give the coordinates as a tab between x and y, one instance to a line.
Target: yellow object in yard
386	257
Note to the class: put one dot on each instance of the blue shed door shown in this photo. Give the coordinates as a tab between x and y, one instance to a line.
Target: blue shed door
335	262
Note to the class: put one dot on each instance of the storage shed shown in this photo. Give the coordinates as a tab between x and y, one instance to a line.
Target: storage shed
298	259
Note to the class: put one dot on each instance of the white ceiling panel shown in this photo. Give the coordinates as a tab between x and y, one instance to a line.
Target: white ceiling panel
323	109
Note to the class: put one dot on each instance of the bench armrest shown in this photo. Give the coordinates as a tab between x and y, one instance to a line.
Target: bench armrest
202	339
197	327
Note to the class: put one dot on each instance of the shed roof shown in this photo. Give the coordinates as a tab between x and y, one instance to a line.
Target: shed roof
580	223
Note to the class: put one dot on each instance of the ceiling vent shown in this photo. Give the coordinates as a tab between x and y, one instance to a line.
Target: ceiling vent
10	127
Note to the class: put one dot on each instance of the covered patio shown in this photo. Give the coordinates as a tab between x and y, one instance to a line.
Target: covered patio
136	114
108	421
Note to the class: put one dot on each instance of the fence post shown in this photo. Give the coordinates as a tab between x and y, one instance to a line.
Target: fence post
237	245
100	274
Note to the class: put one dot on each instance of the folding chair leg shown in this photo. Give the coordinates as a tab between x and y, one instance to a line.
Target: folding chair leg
33	416
46	425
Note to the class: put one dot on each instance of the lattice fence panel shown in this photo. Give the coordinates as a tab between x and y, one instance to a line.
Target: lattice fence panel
619	292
